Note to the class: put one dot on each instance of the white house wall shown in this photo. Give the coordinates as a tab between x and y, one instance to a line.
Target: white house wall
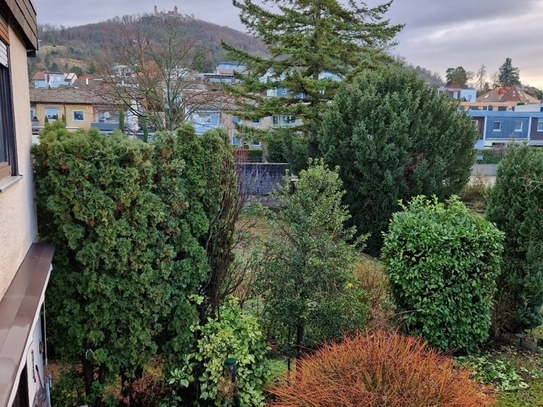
17	210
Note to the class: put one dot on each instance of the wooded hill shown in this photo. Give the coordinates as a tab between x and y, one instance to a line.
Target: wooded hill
77	48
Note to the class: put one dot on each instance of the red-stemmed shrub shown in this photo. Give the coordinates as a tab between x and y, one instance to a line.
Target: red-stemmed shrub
381	369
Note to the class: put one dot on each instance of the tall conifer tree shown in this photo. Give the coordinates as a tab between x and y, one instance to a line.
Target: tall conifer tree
313	45
509	75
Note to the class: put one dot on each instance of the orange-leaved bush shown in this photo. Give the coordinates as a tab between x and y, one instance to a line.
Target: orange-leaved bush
383	369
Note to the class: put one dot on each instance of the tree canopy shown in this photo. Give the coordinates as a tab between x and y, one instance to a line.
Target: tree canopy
313	45
458	77
508	74
394	138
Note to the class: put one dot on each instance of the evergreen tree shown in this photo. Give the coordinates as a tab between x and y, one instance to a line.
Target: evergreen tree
307	252
509	75
458	77
514	205
394	138
313	45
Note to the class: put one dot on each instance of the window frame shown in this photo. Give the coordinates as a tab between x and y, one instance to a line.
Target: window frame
518	128
540	125
499	127
52	119
8	140
78	111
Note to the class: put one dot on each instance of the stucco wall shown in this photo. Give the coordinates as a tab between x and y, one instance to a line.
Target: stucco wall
17	210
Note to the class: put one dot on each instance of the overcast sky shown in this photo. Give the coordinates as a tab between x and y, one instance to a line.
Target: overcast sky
438	34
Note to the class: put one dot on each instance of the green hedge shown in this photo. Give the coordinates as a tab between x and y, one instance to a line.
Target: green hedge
491	156
443	263
514	205
126	219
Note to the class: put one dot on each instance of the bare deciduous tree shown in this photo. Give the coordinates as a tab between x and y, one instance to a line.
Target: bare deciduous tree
150	64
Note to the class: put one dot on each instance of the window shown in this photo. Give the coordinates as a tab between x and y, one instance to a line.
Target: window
8	156
235	119
107	117
518	125
255	121
51	113
284	120
540	125
497	126
78	115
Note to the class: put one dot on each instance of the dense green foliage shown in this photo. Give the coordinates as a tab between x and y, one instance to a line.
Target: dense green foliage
285	146
313	45
514	205
237	336
457	77
394	138
304	280
508	74
491	155
126	220
443	263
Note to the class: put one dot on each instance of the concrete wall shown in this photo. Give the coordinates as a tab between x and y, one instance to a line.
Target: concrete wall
17	211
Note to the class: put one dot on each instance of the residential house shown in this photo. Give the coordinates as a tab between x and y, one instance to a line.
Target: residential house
53	80
468	95
498	128
82	106
506	94
224	73
26	265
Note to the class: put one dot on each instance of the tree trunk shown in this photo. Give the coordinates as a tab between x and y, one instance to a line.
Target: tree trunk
299	339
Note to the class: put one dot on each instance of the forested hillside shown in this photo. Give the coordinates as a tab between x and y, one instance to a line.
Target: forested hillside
77	48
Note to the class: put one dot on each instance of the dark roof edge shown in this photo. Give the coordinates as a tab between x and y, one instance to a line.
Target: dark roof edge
24	13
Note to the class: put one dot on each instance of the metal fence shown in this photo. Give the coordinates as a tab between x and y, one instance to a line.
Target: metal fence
260	178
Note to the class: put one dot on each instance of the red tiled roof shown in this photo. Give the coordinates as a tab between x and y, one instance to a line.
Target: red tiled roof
506	94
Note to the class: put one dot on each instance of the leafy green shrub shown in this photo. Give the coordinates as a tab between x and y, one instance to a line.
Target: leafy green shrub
515	206
67	389
232	335
255	155
443	263
498	372
380	369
